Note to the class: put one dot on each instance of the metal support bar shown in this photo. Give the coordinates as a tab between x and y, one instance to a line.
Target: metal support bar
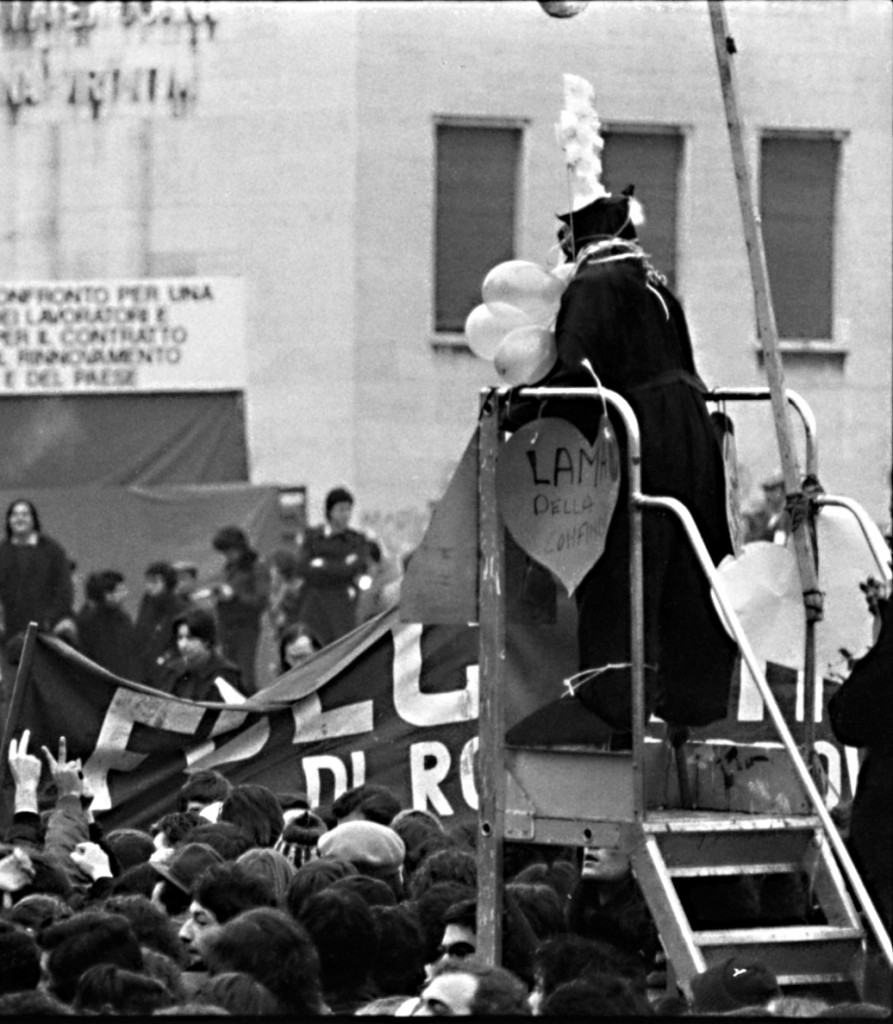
802	771
880	553
797	401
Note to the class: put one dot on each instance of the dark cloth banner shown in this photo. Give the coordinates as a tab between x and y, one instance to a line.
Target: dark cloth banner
391	703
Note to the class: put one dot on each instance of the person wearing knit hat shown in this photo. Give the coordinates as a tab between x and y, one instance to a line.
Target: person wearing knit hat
735	983
300	837
372	848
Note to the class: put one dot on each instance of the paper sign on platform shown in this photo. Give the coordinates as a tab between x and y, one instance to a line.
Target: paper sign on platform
557	493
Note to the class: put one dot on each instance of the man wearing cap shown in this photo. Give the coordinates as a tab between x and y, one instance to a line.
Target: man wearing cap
335	562
735	983
375	850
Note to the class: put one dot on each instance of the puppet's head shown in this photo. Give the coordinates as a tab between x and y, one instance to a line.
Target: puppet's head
595	214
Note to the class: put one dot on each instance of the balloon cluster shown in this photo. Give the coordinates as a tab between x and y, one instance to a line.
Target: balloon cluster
514	325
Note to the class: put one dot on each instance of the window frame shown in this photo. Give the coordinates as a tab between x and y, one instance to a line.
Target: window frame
833	345
455	339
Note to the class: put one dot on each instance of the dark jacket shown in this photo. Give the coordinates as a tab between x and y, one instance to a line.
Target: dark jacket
618	315
153	631
106	636
197	682
249	578
329	605
35	585
861	715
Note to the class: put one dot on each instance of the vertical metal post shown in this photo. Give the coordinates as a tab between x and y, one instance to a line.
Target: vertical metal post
637	629
491	723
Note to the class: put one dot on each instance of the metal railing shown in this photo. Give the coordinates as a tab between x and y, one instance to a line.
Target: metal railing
492	646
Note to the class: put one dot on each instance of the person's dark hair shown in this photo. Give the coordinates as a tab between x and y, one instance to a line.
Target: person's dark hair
228	889
399	963
562	875
205	787
139	880
431	907
176	825
99	584
275	950
373	891
38	911
463	913
343	930
34	516
450	865
33	1003
595	995
313	877
131	846
19	960
256	811
85	939
500	992
566	957
165	969
151	926
227	839
335	496
240	994
375	803
288	637
108	989
230	538
541	906
164	571
201	624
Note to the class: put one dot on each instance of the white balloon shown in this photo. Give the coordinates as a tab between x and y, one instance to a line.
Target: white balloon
485	327
526	355
525	285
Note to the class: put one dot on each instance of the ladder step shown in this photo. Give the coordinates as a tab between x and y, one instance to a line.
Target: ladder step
669	822
725	870
797	956
790	934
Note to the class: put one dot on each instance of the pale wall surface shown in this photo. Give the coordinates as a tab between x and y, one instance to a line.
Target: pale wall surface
306	165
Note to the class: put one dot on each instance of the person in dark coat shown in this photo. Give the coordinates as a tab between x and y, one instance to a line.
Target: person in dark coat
861	715
159	607
334	561
201	672
618	315
105	630
241	601
35	575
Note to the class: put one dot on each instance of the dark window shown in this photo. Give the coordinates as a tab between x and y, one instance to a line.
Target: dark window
649	160
477	176
797	184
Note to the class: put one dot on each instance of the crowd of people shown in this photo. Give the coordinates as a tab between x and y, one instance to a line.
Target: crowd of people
197	640
246	902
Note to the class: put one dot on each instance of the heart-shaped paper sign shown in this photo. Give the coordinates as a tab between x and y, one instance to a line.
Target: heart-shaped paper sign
557	493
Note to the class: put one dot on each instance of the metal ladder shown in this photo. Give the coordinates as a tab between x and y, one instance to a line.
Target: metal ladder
584	796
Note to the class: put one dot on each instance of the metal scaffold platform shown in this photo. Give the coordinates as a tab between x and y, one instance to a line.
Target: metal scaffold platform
670	808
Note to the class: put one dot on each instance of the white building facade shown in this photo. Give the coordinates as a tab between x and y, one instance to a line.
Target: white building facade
342	174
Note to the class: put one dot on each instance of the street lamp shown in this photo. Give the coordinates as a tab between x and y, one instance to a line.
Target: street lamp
563	8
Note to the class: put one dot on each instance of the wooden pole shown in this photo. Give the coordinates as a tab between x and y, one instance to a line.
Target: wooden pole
768	335
491	724
23	671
